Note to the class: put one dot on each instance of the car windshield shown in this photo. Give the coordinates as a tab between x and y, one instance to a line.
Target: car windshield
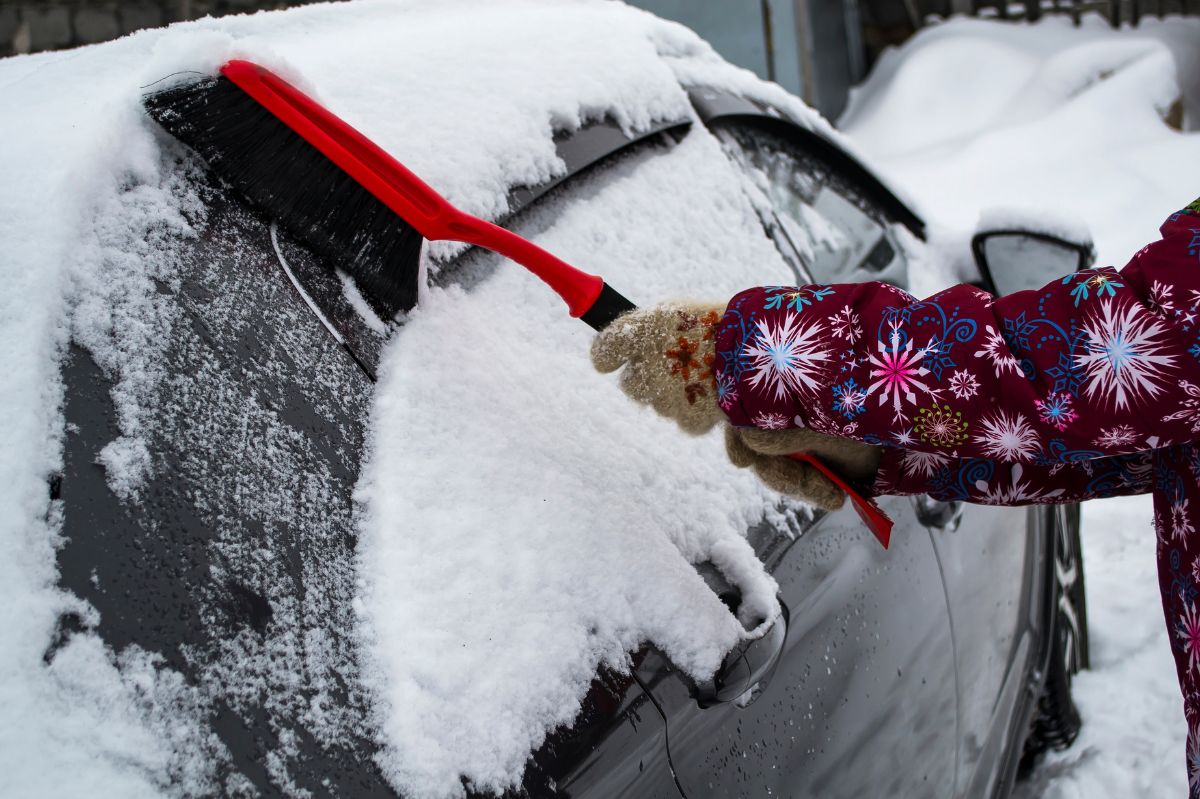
826	229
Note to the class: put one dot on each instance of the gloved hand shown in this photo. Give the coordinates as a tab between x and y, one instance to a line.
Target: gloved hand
668	354
766	452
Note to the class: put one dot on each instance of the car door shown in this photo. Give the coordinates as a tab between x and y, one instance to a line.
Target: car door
856	695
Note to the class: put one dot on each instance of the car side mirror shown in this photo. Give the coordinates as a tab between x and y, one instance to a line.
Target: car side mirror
1016	260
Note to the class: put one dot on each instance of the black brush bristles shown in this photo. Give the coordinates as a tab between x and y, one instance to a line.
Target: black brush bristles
289	180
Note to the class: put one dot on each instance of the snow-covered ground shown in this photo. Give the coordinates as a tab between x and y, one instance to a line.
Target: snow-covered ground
973	114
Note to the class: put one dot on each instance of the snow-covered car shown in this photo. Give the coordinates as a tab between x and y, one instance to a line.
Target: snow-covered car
306	548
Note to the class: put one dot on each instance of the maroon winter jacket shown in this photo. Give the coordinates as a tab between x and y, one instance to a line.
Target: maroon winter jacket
1087	387
1096	364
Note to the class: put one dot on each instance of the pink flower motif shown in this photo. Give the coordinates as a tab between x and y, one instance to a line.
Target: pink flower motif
1056	410
899	373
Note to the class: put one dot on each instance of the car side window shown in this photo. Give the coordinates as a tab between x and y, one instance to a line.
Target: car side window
827	230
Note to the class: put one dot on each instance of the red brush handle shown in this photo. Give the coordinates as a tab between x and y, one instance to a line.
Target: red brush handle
402	191
868	510
436	219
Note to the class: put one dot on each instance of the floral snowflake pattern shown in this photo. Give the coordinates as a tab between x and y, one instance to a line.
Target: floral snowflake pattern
787	357
1014	492
1189	406
1123	355
1193	757
963	384
1160	297
1056	410
995	348
849	398
1181	525
923	464
1008	437
1120	436
1104	281
771	421
727	392
940	426
1187	628
846	324
899	374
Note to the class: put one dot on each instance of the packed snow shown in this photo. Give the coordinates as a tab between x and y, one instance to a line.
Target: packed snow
976	119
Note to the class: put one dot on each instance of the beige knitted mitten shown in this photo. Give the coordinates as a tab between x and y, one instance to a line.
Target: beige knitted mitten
668	355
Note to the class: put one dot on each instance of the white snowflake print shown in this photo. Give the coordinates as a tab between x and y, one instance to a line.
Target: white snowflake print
788	357
770	421
1193	756
1181	525
1160	297
1123	357
1008	438
1188	630
899	374
1196	570
996	348
1015	492
904	437
923	464
1189	407
963	384
846	324
1120	436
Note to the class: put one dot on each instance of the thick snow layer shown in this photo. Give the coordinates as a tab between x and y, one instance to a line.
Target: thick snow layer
524	520
980	120
480	487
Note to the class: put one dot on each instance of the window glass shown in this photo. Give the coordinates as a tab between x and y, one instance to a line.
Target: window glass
827	230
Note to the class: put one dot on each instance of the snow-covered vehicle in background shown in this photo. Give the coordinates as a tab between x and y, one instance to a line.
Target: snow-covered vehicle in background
323	550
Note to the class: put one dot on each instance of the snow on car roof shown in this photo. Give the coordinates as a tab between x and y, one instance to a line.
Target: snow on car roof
484	395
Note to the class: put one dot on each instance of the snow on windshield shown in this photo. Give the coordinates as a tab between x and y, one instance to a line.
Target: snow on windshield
524	519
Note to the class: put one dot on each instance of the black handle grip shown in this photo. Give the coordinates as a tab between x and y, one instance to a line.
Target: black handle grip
607	307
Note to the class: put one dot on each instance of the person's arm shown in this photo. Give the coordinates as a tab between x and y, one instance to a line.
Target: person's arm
1094	364
987	482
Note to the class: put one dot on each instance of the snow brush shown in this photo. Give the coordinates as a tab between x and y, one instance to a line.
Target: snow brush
357	206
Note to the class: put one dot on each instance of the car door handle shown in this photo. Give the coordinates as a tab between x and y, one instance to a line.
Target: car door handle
746	670
938	514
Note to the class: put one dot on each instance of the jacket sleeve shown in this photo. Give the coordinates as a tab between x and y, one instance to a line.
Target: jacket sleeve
986	482
1093	364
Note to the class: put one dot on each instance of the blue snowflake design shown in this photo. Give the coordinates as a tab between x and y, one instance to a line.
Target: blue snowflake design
950	331
797	298
958	484
1099	279
734	362
849	398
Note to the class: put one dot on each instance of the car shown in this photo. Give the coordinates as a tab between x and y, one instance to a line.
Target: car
937	667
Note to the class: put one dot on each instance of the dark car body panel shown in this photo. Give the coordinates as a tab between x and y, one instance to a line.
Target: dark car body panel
236	566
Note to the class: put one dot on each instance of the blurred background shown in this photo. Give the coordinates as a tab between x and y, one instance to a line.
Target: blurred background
817	49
